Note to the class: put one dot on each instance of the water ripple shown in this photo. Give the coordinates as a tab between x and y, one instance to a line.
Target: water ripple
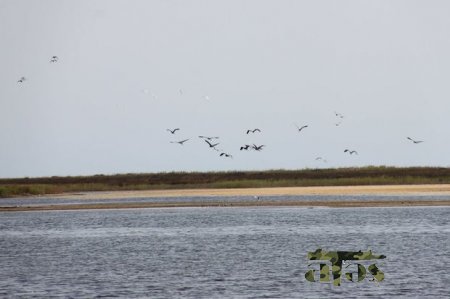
218	252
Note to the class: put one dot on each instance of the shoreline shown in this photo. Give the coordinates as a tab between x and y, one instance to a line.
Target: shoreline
373	190
134	205
434	189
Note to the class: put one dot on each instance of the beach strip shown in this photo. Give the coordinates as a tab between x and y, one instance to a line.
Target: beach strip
253	203
413	190
251	197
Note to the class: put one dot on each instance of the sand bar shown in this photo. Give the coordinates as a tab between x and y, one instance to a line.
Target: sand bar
137	205
394	190
443	189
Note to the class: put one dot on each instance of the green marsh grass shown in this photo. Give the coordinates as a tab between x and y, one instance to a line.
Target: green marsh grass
231	179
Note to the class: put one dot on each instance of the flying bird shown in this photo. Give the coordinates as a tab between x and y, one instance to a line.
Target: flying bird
254	130
226	155
210	144
257	148
173	131
209	138
180	142
245	147
321	159
301	128
415	141
21	80
338	115
146	91
54	59
351	152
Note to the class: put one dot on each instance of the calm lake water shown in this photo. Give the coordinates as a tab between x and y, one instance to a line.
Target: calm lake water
219	252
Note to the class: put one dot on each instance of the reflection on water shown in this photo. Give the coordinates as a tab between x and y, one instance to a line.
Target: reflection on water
219	252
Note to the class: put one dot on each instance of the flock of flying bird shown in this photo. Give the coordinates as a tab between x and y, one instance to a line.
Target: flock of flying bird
211	141
52	60
213	144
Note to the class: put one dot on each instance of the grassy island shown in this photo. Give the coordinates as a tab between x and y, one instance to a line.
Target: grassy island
222	180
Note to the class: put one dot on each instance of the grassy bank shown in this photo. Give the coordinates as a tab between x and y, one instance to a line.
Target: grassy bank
232	179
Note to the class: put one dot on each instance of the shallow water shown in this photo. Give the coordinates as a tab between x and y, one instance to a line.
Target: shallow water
34	201
219	252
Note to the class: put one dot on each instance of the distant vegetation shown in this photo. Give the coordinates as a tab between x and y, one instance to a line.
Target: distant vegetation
230	179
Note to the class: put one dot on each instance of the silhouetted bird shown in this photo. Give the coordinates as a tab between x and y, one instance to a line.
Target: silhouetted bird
350	152
21	80
415	141
245	147
54	59
301	128
254	130
338	115
173	131
226	155
209	138
211	145
257	148
180	142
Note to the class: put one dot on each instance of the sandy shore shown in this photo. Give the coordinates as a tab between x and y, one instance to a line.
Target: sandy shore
443	189
131	205
404	190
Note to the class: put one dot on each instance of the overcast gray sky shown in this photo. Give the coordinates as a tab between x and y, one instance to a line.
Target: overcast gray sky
104	107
